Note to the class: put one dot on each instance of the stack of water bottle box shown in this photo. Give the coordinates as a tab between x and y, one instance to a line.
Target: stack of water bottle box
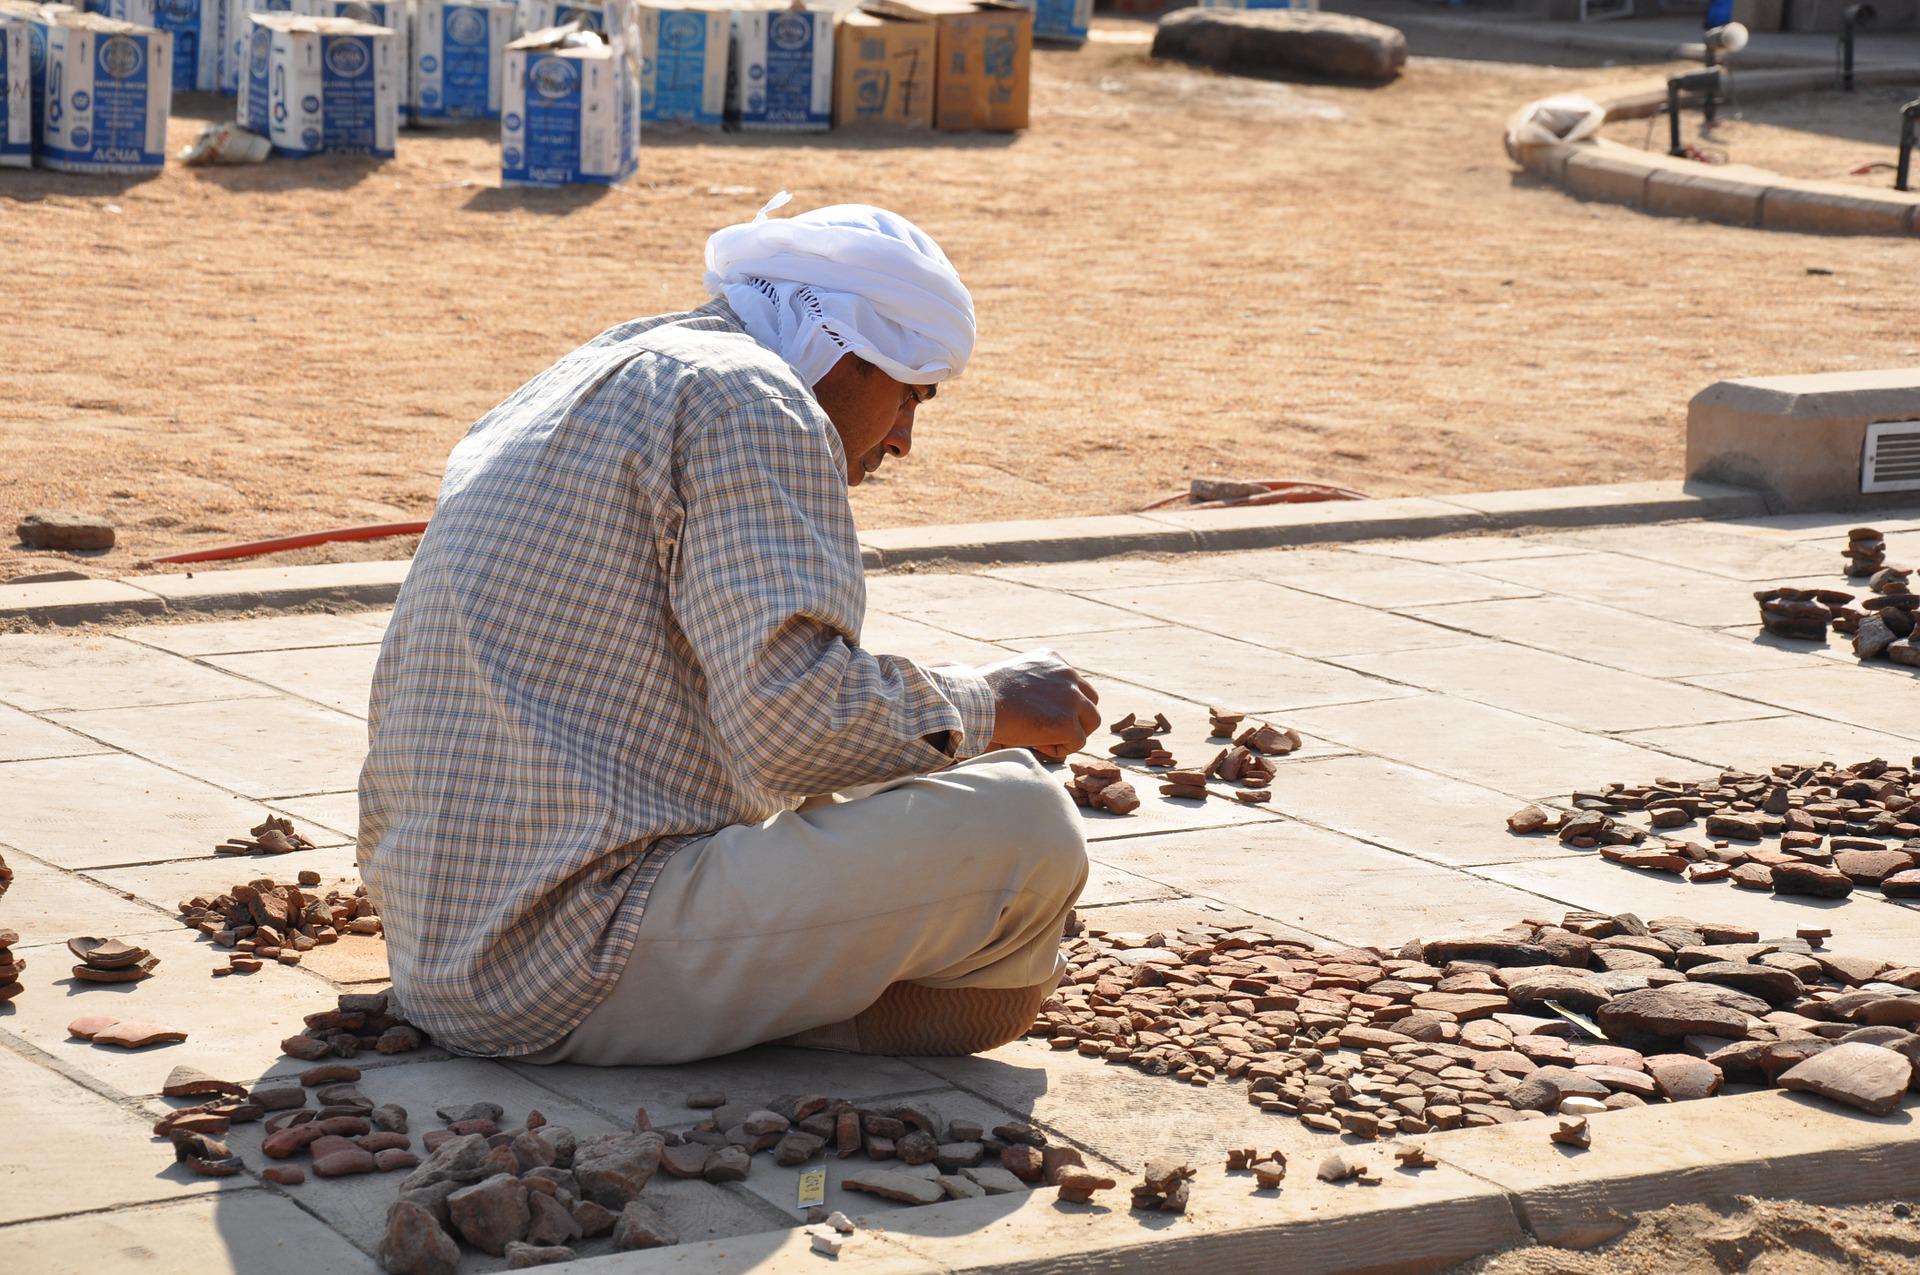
570	81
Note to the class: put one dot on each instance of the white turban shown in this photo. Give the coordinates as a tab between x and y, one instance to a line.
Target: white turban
849	279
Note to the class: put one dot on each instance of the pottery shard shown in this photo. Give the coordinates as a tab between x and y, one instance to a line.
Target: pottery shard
894	1184
491	1213
1465	1006
688	1160
1871	867
1681	1077
796	1148
1528	819
458	1159
344	1162
1570	988
278	1097
415	1244
1868	1077
641	1225
1814	879
85	1026
613	1168
1671	1013
188	1082
1544	1088
523	1256
1775	986
1494	950
594	1220
137	1035
993	1179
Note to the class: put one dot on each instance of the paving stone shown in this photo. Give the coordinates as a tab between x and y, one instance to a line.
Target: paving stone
264	633
1358	574
988	609
56	808
1207	669
1837	693
239	1233
277	747
1278	618
48	674
24	737
340	677
47	906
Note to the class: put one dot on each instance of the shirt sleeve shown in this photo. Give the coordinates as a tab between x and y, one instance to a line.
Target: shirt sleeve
768	589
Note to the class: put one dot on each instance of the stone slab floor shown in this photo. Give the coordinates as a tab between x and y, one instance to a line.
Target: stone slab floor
1439	684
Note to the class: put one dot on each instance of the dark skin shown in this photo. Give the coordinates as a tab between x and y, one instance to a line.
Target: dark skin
1040	701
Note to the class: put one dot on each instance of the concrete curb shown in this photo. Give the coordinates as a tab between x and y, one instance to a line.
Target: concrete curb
1576	37
1495	1188
377	583
1732	194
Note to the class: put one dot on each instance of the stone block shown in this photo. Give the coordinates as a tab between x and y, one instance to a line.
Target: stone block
1836	209
1727	193
1614	174
1799	439
1283	42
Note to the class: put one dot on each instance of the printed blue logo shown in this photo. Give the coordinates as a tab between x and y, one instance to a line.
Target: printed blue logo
466	26
756	103
262	43
179	12
80	139
347	57
310	104
512	121
553	77
121	56
997	54
429	97
429	63
790	30
510	157
682	31
757	72
81	100
310	138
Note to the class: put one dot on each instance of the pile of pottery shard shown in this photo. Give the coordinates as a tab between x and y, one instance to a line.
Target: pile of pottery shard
1457	1033
1882	626
1837	828
272	921
110	960
1244	762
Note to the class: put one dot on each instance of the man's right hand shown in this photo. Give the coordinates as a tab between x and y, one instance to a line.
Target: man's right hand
1041	703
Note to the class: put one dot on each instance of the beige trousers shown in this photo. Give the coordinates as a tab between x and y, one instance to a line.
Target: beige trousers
956	879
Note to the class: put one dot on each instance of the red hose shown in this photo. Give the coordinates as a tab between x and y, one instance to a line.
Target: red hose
260	547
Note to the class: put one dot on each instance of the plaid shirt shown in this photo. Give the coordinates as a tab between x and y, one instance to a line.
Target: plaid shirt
634	621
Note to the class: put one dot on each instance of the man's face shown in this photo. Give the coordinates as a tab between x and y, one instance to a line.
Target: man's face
872	412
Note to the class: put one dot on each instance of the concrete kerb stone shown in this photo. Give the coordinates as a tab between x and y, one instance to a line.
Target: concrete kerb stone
378	583
1729	193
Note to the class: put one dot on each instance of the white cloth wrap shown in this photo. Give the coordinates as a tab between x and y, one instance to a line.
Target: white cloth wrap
847	279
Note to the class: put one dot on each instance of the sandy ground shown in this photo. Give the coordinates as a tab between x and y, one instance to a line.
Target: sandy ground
1756	1237
1176	274
1822	136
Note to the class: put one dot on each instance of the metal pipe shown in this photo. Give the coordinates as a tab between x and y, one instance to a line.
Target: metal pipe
1909	115
1707	82
1852	17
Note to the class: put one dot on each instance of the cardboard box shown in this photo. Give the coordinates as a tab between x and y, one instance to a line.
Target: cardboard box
535	16
883	71
108	88
571	114
198	28
322	86
983	55
683	77
397	17
780	70
16	92
37	19
1062	21
236	32
459	59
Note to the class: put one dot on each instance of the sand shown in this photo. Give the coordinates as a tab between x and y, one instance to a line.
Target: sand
1177	273
1759	1237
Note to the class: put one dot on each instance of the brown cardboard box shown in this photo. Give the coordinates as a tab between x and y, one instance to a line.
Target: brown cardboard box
883	71
983	56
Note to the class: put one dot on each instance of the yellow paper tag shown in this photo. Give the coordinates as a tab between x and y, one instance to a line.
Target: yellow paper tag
813	1188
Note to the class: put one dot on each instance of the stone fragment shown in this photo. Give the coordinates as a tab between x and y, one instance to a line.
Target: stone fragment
1283	42
1077	1185
994	1179
797	1148
641	1226
522	1256
595	1220
415	1243
1573	1133
1670	1013
189	1082
727	1164
1528	819
64	531
1682	1078
894	1184
612	1169
490	1213
1870	1078
284	1174
1812	879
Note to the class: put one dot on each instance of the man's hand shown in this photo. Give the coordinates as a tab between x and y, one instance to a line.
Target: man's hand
1041	703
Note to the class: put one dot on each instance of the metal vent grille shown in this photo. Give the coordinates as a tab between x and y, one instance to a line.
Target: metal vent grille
1892	460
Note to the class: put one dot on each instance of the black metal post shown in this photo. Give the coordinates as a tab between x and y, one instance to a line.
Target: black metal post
1707	82
1909	114
1852	18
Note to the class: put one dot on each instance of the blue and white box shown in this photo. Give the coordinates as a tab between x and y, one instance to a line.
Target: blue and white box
321	86
459	59
1062	21
683	63
236	33
108	87
397	17
16	92
780	70
533	17
39	20
571	113
198	28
